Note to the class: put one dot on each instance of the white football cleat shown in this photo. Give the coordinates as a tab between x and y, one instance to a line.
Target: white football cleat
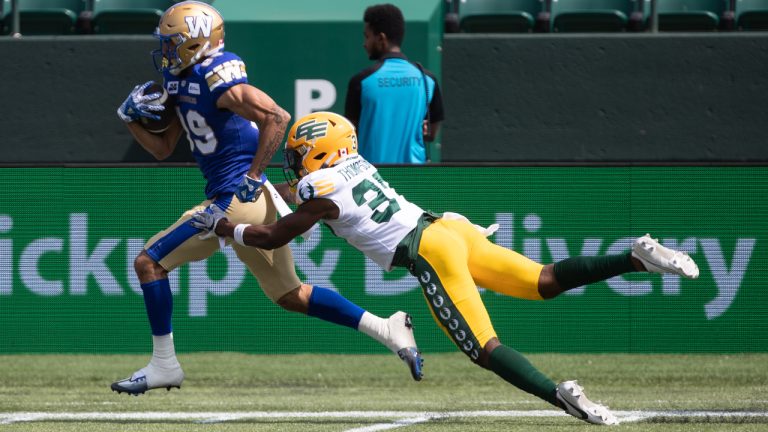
148	378
402	342
573	400
660	259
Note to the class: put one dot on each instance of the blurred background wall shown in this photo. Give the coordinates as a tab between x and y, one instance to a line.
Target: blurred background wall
508	97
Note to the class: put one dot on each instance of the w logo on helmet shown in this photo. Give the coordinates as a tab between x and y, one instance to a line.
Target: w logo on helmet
311	130
199	23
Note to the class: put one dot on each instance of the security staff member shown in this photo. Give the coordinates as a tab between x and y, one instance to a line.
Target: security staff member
395	104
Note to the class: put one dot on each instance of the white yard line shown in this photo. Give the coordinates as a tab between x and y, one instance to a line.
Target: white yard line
400	418
393	425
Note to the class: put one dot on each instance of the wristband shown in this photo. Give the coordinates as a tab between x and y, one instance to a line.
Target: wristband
239	233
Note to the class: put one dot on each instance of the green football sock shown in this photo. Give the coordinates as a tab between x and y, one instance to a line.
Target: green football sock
515	369
582	270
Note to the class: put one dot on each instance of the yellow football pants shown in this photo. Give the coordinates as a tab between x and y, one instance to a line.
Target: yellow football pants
454	258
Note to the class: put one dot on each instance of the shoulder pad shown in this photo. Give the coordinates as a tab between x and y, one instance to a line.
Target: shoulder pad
316	185
223	68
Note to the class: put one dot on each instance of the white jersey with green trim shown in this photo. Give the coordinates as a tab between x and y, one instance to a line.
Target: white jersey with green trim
372	216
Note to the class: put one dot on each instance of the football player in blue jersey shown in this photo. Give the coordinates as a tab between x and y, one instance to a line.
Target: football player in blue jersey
233	129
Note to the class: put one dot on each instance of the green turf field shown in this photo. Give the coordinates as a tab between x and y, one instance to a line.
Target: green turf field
262	392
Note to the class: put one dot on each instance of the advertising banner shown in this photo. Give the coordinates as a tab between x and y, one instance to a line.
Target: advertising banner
68	238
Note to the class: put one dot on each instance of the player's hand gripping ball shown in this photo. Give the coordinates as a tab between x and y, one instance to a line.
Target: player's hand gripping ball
165	116
150	104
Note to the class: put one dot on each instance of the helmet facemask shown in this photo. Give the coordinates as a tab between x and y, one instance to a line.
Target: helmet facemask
293	170
167	56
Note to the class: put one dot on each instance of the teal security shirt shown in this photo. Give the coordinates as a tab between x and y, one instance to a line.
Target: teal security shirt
388	103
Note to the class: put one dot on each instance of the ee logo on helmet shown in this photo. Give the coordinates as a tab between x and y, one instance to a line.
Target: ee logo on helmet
311	129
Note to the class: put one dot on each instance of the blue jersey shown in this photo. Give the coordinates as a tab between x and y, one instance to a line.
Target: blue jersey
389	103
222	142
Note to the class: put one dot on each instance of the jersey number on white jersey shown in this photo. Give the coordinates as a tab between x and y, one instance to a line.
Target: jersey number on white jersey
368	193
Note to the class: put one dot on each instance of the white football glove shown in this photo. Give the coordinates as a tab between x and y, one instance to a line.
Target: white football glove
207	220
135	105
249	188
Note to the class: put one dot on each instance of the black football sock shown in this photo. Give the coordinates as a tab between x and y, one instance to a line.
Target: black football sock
515	369
582	270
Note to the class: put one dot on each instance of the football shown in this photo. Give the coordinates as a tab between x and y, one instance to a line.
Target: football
166	116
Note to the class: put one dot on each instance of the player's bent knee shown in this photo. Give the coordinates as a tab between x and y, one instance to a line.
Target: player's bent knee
485	354
146	267
548	286
289	300
480	357
296	300
142	262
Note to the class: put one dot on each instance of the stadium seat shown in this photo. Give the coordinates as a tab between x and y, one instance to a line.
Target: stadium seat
500	16
690	15
44	17
593	15
752	14
5	9
128	16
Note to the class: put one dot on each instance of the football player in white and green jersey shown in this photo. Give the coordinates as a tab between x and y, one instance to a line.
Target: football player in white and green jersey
449	255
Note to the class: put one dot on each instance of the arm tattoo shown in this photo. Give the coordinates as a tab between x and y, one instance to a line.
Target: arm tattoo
275	141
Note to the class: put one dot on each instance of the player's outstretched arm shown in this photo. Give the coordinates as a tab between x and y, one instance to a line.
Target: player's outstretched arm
253	104
285	229
268	236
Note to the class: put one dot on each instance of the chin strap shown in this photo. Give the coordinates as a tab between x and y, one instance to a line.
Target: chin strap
201	52
327	161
